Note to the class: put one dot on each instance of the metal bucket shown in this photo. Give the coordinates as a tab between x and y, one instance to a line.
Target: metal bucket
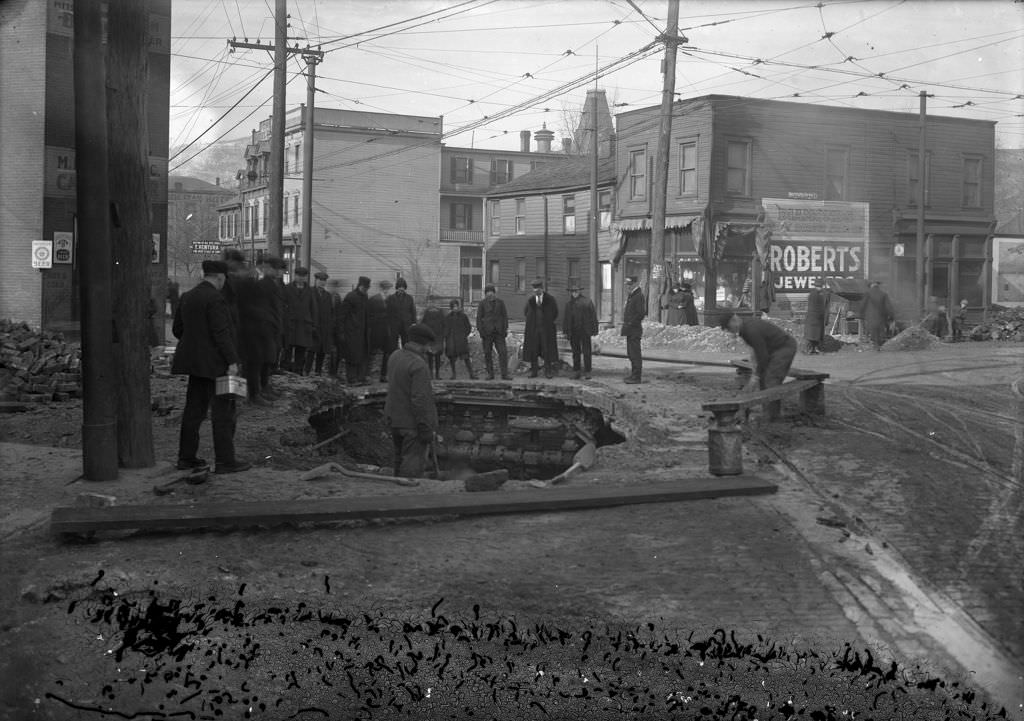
725	451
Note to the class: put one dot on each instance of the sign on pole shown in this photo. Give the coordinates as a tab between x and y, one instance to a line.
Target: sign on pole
63	247
42	253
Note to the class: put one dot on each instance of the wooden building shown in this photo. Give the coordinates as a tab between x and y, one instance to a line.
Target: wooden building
537	227
769	195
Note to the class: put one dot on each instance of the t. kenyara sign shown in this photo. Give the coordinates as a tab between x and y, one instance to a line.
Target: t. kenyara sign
813	239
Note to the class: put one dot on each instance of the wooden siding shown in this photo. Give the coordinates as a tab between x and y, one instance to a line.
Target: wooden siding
481	180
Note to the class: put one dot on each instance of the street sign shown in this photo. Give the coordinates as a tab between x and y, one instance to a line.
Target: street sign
205	247
63	247
42	253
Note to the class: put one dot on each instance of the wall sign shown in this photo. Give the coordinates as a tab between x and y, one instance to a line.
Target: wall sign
42	253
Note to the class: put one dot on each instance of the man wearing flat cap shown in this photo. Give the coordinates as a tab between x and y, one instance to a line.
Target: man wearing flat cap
632	327
206	350
401	312
579	326
323	334
492	325
300	321
352	322
541	337
409	408
876	314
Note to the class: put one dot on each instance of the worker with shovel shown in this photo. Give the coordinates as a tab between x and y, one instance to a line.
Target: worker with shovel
409	408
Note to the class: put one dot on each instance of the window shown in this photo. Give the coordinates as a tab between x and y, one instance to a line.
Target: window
521	275
912	179
298	156
737	179
461	216
688	168
223	229
568	214
835	173
245	221
495	216
520	216
295	208
501	171
462	170
572	266
266	213
637	174
604	207
494	273
542	268
972	182
255	220
534	164
286	165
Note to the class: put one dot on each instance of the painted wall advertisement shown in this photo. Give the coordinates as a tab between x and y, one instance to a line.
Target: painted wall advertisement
1008	271
812	239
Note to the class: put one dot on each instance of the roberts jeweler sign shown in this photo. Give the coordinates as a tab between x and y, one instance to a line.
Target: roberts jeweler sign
813	239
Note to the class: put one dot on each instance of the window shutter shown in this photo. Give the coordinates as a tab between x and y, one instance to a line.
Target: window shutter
508	168
451	216
494	172
469	171
454	169
469	217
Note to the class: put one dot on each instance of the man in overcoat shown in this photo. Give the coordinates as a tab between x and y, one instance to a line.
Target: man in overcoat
323	335
876	313
300	321
409	407
352	318
259	327
580	325
817	313
401	312
541	337
380	327
633	315
206	350
492	325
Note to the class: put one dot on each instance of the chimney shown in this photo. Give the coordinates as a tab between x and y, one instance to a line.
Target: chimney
253	138
544	138
524	141
567	146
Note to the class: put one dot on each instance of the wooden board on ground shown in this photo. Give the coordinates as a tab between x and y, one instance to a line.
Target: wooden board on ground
270	513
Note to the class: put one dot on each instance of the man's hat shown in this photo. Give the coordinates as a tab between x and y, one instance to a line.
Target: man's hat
214	266
537	283
384	285
320	275
301	272
685	286
490	289
234	255
274	262
632	279
818	283
400	283
422	334
363	280
574	287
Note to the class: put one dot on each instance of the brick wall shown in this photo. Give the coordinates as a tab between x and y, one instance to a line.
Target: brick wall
22	77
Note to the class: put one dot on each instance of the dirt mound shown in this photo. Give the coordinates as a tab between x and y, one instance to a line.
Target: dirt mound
679	337
913	338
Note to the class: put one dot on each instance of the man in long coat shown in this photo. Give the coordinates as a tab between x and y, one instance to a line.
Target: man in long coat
380	327
337	333
876	313
206	351
632	327
817	314
492	325
300	321
409	407
323	335
259	319
674	306
579	326
541	337
352	318
401	312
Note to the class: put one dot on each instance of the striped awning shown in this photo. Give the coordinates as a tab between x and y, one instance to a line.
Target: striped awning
619	228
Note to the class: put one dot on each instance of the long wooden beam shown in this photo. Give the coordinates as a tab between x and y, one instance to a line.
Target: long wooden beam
269	513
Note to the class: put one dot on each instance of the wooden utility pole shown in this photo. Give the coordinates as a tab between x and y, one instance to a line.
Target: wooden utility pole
99	389
127	100
656	276
922	156
275	187
595	211
311	58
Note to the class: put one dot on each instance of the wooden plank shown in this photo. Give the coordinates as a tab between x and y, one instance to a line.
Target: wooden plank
268	513
798	373
760	397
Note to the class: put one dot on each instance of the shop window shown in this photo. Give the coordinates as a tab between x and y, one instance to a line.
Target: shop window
835	173
738	168
688	168
971	182
912	179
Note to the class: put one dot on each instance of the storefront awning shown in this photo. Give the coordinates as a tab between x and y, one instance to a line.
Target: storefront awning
619	229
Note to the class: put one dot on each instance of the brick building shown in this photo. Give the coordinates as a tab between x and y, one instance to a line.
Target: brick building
812	191
37	156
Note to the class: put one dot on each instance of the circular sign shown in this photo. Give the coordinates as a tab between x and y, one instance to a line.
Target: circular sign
42	253
898	250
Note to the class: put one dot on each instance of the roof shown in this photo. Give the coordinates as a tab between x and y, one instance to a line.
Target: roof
195	185
565	175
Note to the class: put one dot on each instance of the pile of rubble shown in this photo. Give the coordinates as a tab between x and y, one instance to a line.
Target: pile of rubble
913	338
1006	324
37	366
680	337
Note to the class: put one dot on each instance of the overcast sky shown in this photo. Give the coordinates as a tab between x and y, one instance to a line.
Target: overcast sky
467	59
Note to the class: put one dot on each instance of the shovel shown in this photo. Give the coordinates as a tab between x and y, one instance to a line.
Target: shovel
328	468
199	475
582	461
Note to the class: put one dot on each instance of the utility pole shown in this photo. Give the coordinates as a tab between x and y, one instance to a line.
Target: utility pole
595	213
919	270
99	391
275	188
311	58
657	251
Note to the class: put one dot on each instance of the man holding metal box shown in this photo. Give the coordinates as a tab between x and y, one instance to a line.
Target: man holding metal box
206	351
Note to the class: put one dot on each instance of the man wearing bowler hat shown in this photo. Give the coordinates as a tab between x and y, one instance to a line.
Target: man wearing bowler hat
579	325
409	407
632	327
206	350
540	339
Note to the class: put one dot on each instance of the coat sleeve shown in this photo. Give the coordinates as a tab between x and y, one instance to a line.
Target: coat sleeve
503	317
592	318
219	320
178	327
424	411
